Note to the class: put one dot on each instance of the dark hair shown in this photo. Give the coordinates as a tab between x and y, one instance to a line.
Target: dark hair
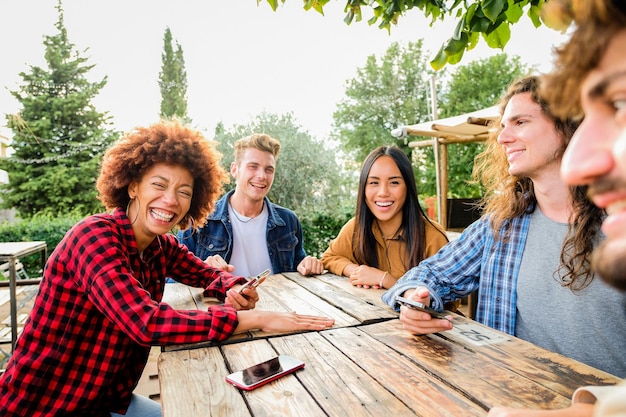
167	142
413	227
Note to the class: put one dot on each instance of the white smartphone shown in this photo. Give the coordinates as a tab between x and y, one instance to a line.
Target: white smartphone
255	281
264	372
421	307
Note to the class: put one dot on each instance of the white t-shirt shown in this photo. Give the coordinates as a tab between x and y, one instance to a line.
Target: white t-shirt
250	255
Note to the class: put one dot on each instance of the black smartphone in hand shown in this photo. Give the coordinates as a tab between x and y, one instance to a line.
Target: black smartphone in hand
264	372
421	307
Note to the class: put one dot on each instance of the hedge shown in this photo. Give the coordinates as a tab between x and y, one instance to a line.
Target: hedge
318	230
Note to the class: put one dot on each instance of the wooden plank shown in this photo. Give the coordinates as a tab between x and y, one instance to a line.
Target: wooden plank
423	393
482	379
338	385
192	384
363	304
280	294
5	294
284	397
21	319
276	294
184	297
502	348
180	296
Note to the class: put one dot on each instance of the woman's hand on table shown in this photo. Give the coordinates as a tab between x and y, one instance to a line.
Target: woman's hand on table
364	276
242	301
274	321
419	322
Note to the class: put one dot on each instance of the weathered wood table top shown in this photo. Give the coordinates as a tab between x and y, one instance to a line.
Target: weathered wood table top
366	365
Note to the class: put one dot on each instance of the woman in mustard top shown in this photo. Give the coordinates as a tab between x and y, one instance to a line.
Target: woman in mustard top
389	233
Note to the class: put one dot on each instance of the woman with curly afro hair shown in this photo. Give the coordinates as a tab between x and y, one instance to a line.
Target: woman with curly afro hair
99	308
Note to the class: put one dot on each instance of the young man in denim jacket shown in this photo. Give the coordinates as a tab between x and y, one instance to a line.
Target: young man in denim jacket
247	233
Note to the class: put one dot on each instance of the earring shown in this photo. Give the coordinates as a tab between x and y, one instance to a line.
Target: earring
128	207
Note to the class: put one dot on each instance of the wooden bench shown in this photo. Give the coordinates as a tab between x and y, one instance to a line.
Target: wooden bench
19	270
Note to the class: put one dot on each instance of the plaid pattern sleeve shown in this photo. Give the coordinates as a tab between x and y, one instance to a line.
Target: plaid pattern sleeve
187	268
477	259
98	310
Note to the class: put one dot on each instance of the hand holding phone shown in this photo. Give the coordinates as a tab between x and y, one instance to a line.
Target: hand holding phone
255	281
421	307
264	372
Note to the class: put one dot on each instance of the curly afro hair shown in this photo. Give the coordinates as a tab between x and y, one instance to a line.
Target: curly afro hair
169	142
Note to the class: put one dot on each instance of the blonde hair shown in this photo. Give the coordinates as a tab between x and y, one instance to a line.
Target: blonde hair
260	141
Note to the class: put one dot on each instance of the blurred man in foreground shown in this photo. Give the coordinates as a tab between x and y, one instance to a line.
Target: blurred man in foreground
590	79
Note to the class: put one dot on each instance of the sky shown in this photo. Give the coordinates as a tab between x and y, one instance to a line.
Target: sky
241	58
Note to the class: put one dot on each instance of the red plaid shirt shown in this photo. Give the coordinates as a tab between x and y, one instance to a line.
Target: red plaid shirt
98	311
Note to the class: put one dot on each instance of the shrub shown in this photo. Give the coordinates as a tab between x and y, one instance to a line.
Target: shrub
41	227
319	229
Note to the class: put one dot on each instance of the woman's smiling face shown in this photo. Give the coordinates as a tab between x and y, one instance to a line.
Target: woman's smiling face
385	190
160	199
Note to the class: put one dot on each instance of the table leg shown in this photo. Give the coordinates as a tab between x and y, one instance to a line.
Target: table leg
13	301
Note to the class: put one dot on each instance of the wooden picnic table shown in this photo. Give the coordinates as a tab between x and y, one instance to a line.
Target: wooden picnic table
366	365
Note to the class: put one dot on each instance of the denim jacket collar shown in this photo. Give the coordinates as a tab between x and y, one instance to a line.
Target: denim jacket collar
221	212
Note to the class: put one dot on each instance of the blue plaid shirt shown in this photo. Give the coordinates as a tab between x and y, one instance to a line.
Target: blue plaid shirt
475	260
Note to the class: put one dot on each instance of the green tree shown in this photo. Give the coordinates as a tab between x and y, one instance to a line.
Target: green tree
173	80
384	94
308	177
491	19
474	86
58	136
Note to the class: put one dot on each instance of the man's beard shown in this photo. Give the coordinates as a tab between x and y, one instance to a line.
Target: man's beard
609	263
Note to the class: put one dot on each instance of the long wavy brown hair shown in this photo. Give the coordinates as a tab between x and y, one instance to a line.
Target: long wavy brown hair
596	22
168	142
508	196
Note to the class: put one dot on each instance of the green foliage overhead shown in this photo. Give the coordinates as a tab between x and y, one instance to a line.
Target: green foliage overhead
308	177
58	136
173	80
489	19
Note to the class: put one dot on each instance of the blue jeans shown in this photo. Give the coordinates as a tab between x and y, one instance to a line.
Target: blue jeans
141	407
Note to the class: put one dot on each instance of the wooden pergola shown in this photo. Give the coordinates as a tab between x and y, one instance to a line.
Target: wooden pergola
465	128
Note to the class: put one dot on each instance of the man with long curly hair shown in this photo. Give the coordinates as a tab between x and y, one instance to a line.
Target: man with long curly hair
590	79
529	255
99	308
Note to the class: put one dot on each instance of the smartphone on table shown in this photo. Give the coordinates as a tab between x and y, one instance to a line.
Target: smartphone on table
264	372
415	305
255	281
